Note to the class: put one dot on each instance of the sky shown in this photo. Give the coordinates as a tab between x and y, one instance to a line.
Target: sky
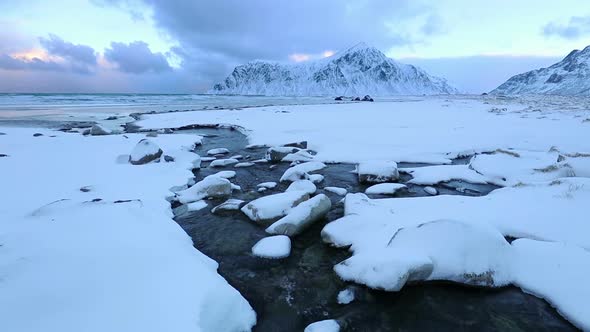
185	46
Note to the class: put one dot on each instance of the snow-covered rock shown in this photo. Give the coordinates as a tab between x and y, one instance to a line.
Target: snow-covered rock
217	151
358	70
438	250
299	156
244	164
224	174
98	130
277	153
275	206
328	325
429	175
337	190
144	152
231	204
301	216
223	162
211	186
267	185
377	171
196	206
301	171
278	246
316	178
303	185
345	296
384	188
571	76
430	191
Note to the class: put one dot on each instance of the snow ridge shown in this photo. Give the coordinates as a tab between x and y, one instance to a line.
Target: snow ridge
359	70
571	76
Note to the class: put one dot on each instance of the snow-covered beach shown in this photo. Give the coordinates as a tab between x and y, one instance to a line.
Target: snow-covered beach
88	240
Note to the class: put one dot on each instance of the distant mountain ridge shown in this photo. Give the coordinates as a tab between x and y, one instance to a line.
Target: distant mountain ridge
570	76
359	70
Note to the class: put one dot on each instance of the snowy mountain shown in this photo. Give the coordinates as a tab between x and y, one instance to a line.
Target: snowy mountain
571	76
359	70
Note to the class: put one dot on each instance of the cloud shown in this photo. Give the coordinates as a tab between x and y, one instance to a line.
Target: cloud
575	28
8	62
238	31
76	53
136	58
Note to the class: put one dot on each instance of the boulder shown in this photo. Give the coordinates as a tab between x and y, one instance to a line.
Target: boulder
431	191
367	98
301	171
229	205
168	158
302	216
273	207
384	189
144	152
303	185
301	145
223	162
339	98
245	164
356	99
218	151
37	134
276	247
377	171
98	130
209	187
276	154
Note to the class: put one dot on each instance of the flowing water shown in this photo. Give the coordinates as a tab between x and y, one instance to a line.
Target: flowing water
288	294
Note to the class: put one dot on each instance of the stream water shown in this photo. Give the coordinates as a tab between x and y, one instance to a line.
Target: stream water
288	294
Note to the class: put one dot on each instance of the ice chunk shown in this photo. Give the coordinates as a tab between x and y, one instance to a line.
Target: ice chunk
328	325
337	190
278	246
211	186
213	152
231	204
144	152
244	164
223	162
301	171
377	171
303	185
275	206
384	188
301	216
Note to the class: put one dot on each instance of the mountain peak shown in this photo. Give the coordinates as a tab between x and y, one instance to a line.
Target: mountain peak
358	70
570	76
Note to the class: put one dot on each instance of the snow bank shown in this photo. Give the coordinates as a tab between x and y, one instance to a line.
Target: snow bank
118	263
278	246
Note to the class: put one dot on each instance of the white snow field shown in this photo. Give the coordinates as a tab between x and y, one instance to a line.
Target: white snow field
121	263
110	257
536	148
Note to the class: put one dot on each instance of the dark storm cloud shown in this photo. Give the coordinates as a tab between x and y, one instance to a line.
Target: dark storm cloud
575	28
214	36
136	58
76	53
